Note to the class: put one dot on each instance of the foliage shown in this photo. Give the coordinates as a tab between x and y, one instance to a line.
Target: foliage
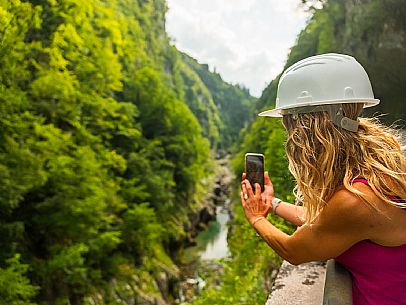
15	287
101	157
234	103
198	97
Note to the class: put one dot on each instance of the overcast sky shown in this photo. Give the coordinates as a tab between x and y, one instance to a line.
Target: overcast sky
246	41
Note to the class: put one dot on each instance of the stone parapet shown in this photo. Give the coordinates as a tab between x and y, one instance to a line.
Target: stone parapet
338	285
298	285
314	283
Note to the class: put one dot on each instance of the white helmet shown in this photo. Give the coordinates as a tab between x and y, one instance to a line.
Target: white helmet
327	79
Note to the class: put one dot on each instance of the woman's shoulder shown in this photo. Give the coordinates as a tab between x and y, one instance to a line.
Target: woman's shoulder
378	220
346	211
348	203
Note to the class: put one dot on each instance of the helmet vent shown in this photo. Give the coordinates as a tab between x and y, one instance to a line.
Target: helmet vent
349	92
308	64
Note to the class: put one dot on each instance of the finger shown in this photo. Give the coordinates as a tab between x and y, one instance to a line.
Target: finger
248	188
267	182
244	189
242	184
266	178
257	189
244	175
242	199
264	197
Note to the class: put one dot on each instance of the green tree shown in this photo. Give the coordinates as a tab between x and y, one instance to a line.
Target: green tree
102	157
15	287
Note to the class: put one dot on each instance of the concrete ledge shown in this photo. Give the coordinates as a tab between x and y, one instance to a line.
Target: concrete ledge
338	285
298	285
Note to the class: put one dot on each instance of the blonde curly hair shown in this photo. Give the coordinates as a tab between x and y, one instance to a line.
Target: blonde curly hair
323	158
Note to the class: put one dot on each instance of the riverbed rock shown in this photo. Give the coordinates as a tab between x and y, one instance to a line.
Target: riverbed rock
191	281
163	284
217	189
207	214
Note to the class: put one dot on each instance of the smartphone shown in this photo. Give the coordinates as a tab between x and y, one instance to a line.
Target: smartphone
254	168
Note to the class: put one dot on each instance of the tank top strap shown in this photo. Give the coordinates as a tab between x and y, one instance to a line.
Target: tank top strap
360	179
396	199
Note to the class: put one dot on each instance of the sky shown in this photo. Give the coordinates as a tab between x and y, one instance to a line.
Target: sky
246	41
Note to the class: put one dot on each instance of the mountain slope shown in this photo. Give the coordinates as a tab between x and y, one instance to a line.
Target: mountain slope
234	103
103	156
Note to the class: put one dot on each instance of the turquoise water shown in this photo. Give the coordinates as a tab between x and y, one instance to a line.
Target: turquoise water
213	241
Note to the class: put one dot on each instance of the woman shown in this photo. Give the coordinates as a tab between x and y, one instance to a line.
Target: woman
351	180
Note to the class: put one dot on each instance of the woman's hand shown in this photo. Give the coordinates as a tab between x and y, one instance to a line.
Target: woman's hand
268	195
258	204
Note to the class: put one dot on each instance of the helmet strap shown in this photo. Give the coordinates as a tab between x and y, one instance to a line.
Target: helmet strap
335	112
338	118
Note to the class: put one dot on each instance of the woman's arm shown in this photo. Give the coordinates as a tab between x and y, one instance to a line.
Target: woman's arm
290	212
344	221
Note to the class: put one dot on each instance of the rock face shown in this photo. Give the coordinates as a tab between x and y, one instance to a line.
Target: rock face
298	285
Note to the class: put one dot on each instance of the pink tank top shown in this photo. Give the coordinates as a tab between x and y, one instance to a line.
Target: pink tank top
378	272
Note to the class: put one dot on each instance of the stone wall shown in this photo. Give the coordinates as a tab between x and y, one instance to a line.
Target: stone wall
312	283
298	285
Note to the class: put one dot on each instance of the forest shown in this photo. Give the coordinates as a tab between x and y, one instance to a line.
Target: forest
108	137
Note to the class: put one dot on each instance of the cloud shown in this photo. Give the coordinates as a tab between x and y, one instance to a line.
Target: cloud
247	41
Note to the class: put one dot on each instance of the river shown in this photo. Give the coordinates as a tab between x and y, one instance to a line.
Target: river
211	244
214	239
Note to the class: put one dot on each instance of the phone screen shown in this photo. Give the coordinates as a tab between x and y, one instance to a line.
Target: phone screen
254	168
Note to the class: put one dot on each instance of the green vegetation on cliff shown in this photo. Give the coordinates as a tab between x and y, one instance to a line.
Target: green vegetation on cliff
234	103
105	149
